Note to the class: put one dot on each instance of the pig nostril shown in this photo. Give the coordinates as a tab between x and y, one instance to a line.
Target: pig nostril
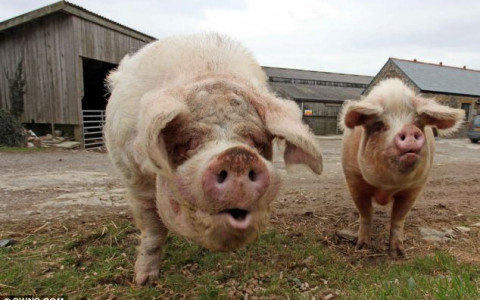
222	176
402	137
252	175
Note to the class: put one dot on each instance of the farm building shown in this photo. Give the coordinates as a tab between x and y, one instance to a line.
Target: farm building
62	52
456	87
320	95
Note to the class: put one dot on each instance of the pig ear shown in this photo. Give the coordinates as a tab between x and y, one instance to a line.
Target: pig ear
283	119
446	119
355	113
157	110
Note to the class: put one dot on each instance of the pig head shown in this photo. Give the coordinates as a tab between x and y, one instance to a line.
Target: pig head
387	152
190	126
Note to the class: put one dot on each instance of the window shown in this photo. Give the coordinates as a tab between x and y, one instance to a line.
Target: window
476	121
316	82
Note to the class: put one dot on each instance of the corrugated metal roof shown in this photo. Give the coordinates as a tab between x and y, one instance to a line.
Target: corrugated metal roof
441	79
316	75
315	92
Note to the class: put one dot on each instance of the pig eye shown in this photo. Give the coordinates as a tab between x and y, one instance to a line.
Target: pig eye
183	151
378	126
420	123
261	147
180	153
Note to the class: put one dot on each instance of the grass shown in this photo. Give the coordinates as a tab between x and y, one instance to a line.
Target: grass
95	261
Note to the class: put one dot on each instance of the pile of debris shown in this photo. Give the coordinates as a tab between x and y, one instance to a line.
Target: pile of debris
49	140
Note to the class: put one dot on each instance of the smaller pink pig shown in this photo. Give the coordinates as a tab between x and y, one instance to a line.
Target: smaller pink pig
387	152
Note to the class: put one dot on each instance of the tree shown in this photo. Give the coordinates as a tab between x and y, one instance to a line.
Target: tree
16	85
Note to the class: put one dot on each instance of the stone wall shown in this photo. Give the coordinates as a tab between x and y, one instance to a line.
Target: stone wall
389	70
458	102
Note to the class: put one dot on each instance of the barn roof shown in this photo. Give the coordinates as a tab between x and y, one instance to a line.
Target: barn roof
70	8
316	75
327	86
315	92
440	78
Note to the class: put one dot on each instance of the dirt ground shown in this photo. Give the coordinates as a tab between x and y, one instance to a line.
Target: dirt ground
61	186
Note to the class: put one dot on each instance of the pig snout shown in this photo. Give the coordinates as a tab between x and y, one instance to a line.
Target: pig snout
410	140
235	180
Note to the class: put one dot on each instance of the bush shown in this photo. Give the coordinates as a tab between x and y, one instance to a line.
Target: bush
11	131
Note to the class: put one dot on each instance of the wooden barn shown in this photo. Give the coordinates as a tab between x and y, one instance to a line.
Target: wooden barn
453	86
63	52
320	95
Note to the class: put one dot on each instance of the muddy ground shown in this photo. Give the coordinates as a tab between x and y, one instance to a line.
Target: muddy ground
74	186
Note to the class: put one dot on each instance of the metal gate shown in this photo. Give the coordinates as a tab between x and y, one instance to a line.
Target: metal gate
93	122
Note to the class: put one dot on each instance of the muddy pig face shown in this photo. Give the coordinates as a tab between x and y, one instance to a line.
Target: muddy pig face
397	130
213	154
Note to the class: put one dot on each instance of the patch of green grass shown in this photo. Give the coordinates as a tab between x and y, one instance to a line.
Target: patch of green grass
96	261
437	276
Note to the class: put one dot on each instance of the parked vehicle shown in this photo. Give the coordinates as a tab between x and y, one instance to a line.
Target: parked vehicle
474	129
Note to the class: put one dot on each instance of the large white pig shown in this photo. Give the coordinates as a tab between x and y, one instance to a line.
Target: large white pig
387	152
190	124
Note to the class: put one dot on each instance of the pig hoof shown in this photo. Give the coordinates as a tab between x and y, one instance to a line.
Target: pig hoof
398	253
397	250
362	244
146	278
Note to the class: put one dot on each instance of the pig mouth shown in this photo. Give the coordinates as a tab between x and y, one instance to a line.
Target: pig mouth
409	159
237	218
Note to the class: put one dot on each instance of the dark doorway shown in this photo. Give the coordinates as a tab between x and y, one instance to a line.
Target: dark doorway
94	101
466	108
95	93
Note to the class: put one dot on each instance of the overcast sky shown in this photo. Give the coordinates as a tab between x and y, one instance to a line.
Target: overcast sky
344	36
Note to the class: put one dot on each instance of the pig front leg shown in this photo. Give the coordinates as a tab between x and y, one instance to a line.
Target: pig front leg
403	202
153	234
361	193
364	206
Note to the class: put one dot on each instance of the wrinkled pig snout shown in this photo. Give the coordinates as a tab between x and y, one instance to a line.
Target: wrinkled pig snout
410	140
236	179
